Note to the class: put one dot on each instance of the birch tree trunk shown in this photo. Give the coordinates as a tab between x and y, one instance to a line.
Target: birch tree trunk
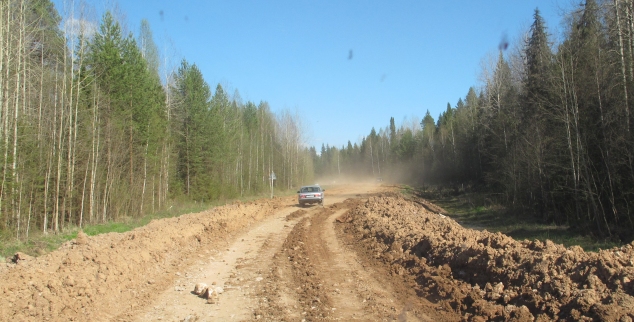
5	111
622	60
20	83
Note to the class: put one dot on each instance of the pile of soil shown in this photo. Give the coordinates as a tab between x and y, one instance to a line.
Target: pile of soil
386	257
315	277
100	278
490	276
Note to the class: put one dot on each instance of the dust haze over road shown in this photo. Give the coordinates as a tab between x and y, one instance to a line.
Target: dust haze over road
370	254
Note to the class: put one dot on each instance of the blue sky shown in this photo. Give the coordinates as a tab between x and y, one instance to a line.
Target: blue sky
344	66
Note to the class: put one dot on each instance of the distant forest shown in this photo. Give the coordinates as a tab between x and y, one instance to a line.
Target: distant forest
549	132
97	125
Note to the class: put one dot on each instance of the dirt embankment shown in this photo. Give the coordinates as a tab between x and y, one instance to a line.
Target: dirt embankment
97	278
372	257
314	276
485	276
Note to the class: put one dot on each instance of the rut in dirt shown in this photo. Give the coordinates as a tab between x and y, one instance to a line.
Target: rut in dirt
379	257
236	269
326	281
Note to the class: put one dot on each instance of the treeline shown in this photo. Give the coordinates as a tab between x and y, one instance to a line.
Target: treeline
550	131
90	133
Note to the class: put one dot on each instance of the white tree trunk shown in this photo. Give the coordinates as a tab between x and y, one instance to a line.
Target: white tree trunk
622	60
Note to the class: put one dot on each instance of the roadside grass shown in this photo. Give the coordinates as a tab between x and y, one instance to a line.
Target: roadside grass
39	243
480	211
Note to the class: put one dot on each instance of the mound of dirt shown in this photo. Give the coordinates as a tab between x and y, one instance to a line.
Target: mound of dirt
101	277
482	275
295	214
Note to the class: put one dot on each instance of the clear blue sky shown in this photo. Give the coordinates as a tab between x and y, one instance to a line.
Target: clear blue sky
407	56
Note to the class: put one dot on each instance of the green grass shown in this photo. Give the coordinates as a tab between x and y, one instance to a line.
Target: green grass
118	227
479	211
39	243
407	190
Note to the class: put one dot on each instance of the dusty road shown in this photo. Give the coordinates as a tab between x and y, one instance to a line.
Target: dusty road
290	267
369	255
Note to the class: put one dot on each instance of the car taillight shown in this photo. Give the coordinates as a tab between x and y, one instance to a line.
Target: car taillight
317	194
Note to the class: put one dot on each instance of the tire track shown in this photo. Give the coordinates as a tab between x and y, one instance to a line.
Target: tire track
237	269
326	281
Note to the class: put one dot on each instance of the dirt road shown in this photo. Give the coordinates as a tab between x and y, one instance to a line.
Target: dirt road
290	267
367	255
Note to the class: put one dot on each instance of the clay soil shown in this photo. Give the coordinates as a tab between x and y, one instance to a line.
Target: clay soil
369	254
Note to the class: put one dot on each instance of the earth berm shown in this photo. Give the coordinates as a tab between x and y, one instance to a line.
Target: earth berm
369	254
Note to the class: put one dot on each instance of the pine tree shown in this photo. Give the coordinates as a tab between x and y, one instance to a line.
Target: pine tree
193	122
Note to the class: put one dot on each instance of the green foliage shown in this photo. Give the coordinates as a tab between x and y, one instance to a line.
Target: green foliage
92	136
193	123
117	227
477	211
149	51
549	132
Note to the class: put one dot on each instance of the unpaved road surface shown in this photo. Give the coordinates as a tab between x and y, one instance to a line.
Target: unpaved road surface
368	255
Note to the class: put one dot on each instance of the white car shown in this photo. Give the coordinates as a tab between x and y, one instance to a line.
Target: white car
310	194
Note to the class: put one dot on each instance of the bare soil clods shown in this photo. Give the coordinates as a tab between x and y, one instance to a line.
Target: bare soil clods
98	278
377	257
328	282
491	276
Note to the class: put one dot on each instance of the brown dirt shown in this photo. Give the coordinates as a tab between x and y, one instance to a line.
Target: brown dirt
367	255
100	278
484	276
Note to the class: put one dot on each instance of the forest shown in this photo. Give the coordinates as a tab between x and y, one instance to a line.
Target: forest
97	125
548	132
